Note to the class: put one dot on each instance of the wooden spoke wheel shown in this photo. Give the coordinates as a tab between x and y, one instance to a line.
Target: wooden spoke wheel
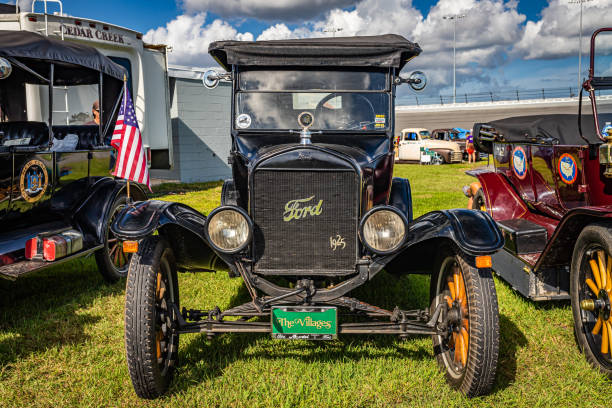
467	347
112	262
150	319
591	293
457	318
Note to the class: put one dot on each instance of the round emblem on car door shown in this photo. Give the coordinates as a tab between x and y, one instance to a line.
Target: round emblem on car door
33	181
519	162
567	168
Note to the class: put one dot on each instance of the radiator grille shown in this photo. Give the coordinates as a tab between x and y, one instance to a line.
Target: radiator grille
304	245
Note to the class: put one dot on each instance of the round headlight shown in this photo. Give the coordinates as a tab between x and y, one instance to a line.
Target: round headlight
228	230
383	231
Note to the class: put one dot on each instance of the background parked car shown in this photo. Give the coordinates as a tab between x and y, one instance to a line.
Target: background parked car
413	139
457	135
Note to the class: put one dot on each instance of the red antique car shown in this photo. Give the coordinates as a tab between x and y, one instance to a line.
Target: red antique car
551	194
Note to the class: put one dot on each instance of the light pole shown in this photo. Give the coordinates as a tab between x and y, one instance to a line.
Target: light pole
579	42
333	30
454	18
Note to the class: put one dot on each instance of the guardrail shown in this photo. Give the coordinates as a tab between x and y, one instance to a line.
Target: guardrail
492	96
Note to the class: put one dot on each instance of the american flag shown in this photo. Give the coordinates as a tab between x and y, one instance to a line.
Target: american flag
131	162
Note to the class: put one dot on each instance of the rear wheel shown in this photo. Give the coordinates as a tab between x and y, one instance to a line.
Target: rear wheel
150	322
111	260
591	294
468	349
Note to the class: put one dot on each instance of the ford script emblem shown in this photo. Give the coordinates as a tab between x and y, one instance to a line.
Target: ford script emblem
304	156
295	209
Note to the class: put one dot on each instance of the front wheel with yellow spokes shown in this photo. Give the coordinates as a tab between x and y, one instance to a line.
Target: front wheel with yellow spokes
467	347
591	294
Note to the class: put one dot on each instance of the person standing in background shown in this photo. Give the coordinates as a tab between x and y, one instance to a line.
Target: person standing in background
469	148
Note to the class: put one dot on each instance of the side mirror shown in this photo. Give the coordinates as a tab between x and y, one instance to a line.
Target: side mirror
210	79
5	68
417	81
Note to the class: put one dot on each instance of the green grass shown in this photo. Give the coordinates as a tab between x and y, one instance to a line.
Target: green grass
61	341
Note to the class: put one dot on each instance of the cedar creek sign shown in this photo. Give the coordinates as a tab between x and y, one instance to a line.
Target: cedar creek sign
85	32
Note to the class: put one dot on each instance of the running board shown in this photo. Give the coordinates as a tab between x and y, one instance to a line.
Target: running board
22	268
547	284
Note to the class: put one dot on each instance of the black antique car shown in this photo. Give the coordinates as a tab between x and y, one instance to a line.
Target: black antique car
56	197
312	212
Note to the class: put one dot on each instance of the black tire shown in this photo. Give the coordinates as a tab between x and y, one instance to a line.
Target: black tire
112	262
479	202
593	238
474	372
150	341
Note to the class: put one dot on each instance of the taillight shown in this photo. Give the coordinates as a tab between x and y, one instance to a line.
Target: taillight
31	249
54	247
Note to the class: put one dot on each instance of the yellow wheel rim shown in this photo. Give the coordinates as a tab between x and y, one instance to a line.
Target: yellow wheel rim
600	266
458	298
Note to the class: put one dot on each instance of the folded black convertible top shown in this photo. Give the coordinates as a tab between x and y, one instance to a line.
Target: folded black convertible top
560	129
25	44
389	50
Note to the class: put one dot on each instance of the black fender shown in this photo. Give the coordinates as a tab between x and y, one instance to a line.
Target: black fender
181	225
92	213
401	196
472	232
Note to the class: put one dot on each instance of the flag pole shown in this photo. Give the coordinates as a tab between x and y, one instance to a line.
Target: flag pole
125	104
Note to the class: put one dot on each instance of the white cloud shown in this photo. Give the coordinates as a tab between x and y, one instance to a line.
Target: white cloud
288	10
484	36
556	34
189	37
487	32
276	32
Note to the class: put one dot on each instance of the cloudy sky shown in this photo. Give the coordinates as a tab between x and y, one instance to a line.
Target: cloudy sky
501	44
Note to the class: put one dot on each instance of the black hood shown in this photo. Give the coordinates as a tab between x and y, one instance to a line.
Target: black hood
364	149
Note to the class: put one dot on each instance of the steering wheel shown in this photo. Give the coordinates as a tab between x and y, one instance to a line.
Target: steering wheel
344	120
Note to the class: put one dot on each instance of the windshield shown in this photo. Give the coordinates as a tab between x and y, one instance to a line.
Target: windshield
602	71
339	100
425	134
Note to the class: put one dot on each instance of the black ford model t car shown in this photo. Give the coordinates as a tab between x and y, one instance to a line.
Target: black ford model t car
57	198
312	212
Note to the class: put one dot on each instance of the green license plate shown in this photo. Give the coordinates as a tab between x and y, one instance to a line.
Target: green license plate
304	323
